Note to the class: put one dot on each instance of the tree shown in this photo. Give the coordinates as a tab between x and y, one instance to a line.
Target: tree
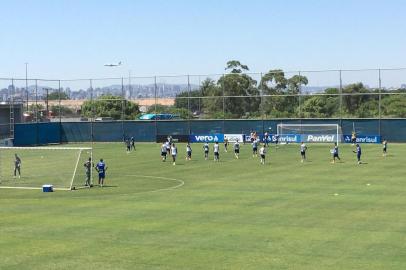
57	96
236	67
110	106
188	100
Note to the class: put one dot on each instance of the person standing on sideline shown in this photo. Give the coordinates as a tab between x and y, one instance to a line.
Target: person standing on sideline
88	167
101	168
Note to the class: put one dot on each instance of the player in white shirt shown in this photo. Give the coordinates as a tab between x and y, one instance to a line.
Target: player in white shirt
168	147
216	150
303	149
237	149
164	152
206	150
188	152
262	153
174	152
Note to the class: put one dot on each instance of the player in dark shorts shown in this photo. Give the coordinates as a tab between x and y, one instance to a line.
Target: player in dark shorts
88	167
216	150
132	140
188	152
206	150
358	152
255	148
335	153
237	149
101	169
262	152
128	145
226	145
17	166
353	137
384	147
303	149
164	152
174	153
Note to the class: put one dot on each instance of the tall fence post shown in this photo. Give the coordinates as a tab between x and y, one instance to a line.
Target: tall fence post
188	103
60	111
341	97
380	99
92	114
224	104
155	105
122	109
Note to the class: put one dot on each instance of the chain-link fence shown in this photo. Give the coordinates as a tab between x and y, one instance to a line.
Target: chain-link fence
368	93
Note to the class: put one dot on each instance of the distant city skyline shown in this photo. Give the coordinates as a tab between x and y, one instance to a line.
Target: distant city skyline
74	39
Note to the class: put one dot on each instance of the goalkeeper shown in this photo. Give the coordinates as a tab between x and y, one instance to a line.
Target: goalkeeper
17	166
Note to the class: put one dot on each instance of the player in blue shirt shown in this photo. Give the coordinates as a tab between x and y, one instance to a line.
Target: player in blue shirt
101	169
335	153
17	166
358	152
132	140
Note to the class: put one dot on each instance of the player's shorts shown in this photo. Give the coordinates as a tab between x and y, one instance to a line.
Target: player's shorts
335	155
163	154
216	154
255	149
102	175
237	151
189	153
206	152
384	149
168	149
303	153
263	156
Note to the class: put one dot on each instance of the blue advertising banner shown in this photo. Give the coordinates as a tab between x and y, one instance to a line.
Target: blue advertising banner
196	138
364	139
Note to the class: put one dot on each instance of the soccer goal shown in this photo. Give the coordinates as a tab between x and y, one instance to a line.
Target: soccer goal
62	167
312	132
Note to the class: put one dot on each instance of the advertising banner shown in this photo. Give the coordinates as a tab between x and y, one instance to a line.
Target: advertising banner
211	138
175	138
364	139
234	137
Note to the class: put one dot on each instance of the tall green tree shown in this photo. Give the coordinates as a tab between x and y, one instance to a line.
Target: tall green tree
110	106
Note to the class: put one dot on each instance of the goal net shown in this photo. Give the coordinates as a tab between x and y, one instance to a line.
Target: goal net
62	167
312	132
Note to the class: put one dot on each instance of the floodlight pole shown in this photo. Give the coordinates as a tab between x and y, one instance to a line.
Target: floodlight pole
26	83
380	99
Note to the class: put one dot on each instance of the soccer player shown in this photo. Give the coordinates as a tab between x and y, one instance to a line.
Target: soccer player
226	145
188	152
262	153
266	138
358	152
335	153
88	167
353	137
254	148
237	149
174	152
17	166
128	145
101	168
303	149
168	146
216	151
206	150
384	147
132	143
164	151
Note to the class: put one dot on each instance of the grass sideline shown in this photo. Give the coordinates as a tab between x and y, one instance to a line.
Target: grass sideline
236	214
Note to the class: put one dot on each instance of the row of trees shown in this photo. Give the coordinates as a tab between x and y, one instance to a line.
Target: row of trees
236	95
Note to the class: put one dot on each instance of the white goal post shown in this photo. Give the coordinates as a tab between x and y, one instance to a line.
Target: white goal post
57	166
312	132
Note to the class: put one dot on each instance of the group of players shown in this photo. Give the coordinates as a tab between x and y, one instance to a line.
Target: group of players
169	148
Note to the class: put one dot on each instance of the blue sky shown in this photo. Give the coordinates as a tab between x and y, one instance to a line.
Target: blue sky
73	39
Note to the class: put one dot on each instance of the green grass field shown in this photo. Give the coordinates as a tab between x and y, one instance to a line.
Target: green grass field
235	214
